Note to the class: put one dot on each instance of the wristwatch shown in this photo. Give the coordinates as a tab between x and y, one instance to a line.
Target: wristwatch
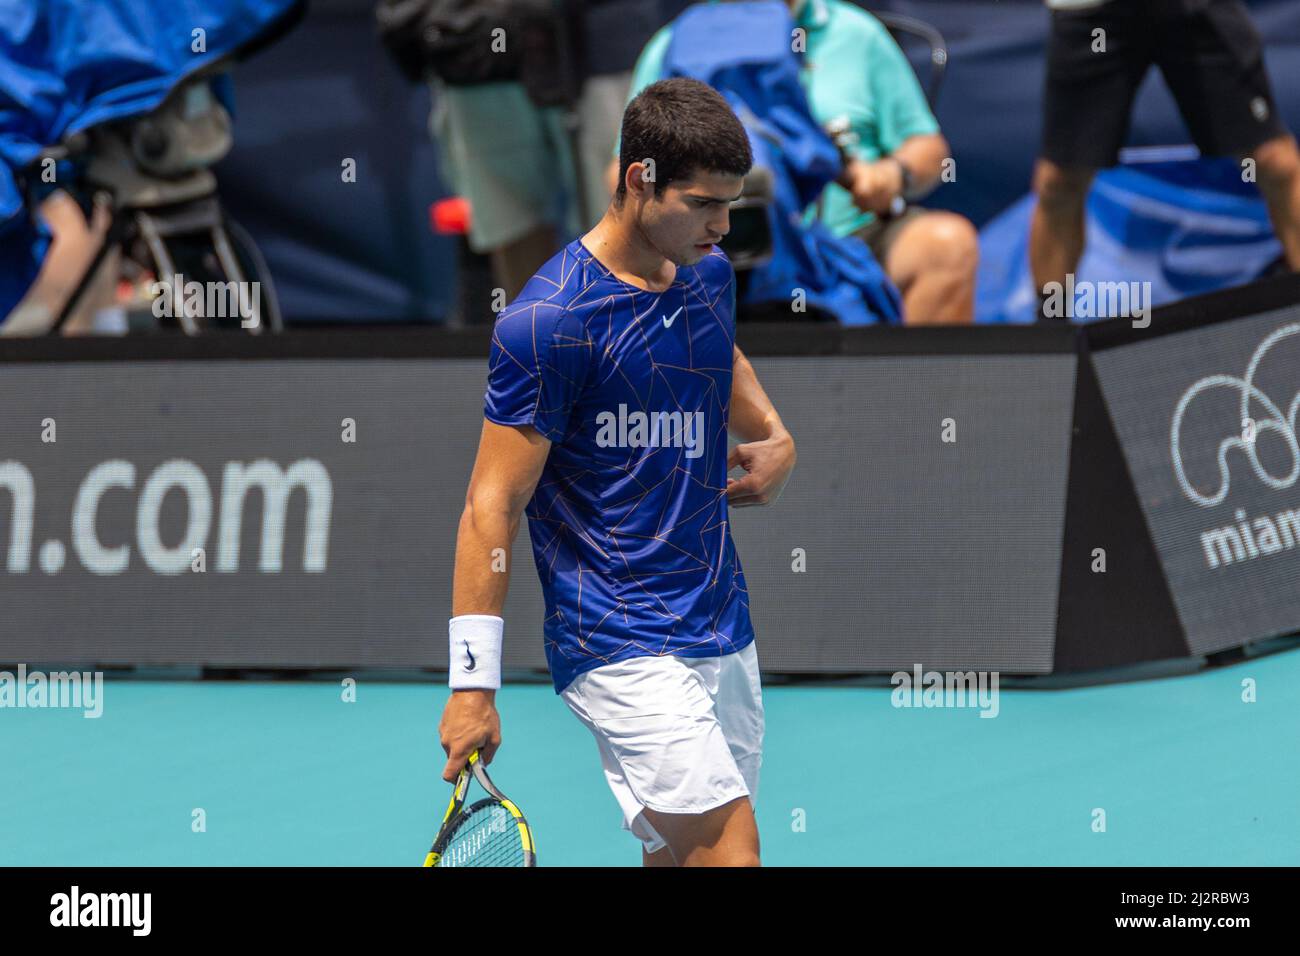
908	179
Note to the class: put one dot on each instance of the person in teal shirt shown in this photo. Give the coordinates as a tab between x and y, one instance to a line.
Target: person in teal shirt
854	74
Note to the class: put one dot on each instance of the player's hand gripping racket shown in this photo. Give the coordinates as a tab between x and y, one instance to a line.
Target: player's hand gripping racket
492	832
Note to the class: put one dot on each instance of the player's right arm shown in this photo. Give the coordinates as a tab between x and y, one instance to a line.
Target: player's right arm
506	470
540	358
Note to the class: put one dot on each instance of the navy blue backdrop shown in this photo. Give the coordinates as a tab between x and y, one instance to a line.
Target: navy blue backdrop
364	251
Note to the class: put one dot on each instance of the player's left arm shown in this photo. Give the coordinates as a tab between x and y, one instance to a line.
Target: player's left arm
767	450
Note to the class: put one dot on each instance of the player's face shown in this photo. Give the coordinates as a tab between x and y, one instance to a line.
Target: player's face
691	216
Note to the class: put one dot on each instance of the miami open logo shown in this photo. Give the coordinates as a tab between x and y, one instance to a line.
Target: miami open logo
1263	423
1277	421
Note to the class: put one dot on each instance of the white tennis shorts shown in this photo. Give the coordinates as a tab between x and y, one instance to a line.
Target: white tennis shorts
676	734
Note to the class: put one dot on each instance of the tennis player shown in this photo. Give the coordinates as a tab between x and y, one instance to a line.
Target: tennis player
614	380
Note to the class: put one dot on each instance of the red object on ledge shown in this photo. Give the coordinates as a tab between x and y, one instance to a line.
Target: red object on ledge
450	216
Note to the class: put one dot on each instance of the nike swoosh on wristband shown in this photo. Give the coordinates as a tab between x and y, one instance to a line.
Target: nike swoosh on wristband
471	665
668	323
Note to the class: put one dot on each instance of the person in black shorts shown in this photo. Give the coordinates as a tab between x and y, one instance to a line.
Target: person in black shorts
1212	58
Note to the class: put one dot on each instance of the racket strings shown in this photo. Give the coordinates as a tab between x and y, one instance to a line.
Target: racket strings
489	836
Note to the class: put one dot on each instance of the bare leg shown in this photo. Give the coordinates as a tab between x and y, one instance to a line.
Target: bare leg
662	857
1056	232
933	263
724	836
1278	163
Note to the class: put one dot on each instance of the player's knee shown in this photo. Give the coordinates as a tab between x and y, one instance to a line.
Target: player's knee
953	242
937	247
1278	163
1061	187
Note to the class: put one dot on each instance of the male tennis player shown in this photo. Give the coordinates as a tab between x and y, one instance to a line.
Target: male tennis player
614	380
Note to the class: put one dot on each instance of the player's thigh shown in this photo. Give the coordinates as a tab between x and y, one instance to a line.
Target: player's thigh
723	836
661	857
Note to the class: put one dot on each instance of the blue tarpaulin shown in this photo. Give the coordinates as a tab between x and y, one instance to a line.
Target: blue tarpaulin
1183	224
67	65
758	73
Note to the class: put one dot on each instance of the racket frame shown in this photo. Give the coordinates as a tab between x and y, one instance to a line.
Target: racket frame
456	815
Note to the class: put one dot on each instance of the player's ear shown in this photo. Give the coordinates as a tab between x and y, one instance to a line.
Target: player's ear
641	178
636	184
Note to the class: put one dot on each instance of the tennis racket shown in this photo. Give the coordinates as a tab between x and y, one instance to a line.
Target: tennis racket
492	832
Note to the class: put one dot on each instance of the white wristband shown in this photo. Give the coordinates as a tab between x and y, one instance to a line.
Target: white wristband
475	651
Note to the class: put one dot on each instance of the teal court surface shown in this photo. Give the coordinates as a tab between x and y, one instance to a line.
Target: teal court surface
1186	772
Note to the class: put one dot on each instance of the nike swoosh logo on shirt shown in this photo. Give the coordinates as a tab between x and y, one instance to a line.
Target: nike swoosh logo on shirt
668	323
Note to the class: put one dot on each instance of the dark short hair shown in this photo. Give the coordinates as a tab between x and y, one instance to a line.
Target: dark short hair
684	126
